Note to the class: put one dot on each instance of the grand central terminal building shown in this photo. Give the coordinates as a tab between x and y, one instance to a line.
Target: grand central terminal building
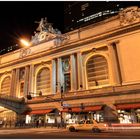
91	72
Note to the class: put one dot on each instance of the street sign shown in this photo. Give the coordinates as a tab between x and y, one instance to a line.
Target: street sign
66	105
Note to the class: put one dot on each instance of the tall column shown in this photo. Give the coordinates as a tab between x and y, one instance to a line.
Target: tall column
16	89
53	75
79	71
116	72
31	78
26	80
73	73
60	75
12	86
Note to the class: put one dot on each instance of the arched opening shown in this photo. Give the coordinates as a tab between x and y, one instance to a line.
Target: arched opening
97	71
7	117
5	86
43	81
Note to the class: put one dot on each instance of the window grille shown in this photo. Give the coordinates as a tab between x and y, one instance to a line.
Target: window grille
5	85
97	71
43	81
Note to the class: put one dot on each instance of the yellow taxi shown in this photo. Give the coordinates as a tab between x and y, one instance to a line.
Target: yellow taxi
92	125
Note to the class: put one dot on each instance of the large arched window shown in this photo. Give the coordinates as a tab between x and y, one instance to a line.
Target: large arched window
5	85
97	71
43	81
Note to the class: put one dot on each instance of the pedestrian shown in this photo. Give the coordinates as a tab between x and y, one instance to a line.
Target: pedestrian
37	123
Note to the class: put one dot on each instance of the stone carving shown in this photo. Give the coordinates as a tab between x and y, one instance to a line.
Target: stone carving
24	52
45	31
129	15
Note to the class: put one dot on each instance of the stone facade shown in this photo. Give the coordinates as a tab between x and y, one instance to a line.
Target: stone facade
97	65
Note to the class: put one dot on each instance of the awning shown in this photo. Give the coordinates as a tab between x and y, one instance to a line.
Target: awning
85	109
128	106
39	111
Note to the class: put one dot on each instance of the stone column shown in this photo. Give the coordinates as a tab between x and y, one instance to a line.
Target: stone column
13	84
110	113
31	78
79	71
16	89
73	72
53	75
26	80
116	72
60	75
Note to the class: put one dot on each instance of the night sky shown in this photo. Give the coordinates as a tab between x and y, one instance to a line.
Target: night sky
17	19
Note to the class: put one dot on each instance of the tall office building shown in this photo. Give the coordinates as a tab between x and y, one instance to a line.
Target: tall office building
79	14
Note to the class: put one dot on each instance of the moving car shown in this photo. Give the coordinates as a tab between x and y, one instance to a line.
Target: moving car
92	125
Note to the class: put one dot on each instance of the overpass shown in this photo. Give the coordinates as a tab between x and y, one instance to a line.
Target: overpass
15	104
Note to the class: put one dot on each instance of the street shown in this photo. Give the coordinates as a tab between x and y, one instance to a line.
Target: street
54	133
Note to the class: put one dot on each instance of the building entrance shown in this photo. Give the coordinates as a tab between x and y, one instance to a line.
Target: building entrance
7	117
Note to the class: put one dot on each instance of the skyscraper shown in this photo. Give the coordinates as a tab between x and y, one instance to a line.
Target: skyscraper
79	14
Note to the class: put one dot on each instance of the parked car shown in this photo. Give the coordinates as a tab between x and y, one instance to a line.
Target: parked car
92	125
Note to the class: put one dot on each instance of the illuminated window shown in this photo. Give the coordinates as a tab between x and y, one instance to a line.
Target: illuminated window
5	86
97	71
43	81
67	73
21	89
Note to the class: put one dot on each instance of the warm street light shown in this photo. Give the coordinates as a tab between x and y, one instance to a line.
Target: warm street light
25	42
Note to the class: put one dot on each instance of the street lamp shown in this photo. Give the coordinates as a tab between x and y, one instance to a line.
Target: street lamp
25	42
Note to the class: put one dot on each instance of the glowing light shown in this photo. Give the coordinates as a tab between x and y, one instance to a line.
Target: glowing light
25	42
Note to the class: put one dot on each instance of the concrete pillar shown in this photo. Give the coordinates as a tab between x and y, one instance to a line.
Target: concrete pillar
73	72
26	80
116	73
31	78
16	89
60	75
53	77
12	86
79	71
110	113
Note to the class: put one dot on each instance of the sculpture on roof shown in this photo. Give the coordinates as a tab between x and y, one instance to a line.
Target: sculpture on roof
45	31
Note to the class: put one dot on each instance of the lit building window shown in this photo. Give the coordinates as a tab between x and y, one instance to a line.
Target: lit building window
5	86
43	81
66	72
97	71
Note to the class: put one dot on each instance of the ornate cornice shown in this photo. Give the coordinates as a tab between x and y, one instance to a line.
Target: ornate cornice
129	16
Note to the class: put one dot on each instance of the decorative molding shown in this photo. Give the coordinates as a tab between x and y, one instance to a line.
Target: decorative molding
129	15
24	52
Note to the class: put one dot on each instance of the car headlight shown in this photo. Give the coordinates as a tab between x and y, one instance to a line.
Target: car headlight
105	125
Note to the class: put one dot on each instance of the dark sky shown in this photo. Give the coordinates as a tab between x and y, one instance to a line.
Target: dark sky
17	18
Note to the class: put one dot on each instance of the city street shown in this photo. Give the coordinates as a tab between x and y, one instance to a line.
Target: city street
54	133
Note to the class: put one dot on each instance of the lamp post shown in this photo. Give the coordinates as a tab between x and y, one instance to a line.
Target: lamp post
61	100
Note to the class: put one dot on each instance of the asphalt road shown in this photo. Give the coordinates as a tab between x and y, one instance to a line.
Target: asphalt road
54	133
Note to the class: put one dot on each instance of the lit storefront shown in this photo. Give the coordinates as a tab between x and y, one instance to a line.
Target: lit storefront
46	116
75	114
128	113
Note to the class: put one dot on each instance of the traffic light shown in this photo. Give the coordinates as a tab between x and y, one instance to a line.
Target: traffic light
61	89
29	97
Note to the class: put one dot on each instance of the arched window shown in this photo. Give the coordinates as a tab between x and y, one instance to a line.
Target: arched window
43	81
97	71
5	86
